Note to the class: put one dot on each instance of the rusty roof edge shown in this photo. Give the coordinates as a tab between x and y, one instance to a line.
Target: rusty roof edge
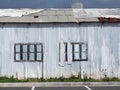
110	20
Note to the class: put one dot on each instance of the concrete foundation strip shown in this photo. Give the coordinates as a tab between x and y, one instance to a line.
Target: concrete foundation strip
59	84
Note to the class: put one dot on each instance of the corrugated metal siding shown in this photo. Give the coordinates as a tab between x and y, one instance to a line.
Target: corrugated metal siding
103	49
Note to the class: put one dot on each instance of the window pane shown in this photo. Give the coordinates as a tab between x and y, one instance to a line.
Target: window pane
24	48
83	46
83	56
39	56
31	56
24	56
76	56
17	56
39	48
32	49
76	48
83	52
17	48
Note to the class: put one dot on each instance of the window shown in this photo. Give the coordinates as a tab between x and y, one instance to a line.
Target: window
63	50
28	52
79	52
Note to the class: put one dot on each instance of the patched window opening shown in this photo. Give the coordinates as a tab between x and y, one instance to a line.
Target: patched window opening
79	51
28	52
65	51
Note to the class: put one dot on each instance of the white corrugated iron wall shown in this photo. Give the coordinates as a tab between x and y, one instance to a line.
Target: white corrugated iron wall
103	49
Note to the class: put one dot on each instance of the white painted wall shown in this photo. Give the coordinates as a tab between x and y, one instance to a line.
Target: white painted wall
103	49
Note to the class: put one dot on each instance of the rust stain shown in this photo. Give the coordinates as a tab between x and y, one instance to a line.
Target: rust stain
36	16
111	20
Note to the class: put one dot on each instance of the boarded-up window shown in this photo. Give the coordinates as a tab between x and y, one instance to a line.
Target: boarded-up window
79	51
28	52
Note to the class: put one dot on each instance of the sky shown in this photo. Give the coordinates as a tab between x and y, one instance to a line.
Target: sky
58	3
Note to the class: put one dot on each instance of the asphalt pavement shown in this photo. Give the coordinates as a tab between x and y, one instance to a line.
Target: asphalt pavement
106	88
15	88
63	88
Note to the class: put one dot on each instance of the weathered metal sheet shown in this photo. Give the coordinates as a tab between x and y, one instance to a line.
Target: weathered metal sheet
17	12
103	49
58	15
92	13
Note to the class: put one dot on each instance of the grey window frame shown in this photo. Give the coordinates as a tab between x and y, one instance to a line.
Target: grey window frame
28	52
80	50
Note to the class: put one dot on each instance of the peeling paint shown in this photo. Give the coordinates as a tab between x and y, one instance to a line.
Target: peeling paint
18	12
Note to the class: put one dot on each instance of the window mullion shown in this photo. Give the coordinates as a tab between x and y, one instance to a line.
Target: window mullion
59	51
35	52
15	52
42	51
28	52
80	50
86	51
73	52
21	53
